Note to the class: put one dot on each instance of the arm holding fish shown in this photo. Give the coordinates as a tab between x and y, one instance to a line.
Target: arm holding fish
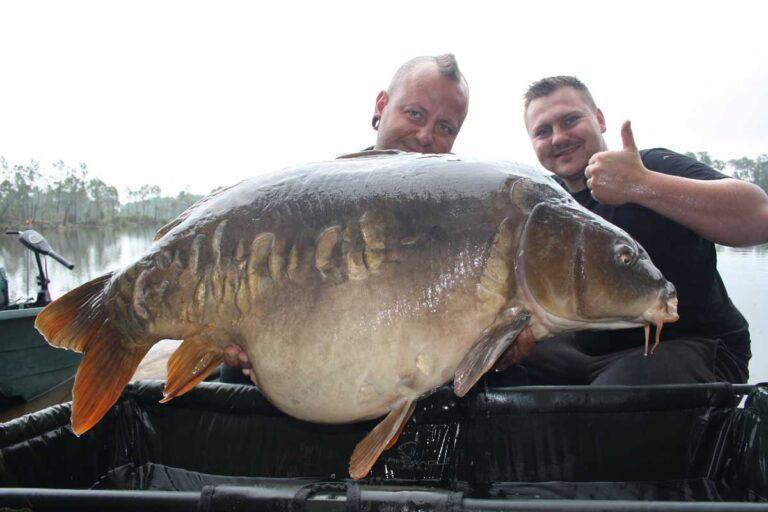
726	211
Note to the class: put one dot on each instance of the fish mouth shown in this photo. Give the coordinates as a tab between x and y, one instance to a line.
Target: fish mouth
665	311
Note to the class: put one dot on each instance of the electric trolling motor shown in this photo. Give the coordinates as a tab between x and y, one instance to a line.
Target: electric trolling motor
36	243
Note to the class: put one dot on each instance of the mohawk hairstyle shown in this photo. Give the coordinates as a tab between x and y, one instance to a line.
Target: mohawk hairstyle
446	64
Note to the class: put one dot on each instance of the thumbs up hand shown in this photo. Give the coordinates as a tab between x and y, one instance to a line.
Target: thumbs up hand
617	177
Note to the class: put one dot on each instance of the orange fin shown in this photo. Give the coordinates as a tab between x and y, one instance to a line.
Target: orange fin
192	362
74	319
78	321
107	367
393	441
383	436
485	352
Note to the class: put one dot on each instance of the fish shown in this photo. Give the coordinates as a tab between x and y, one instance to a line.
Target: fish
358	286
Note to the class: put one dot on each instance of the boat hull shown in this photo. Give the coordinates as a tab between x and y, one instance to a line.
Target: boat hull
29	366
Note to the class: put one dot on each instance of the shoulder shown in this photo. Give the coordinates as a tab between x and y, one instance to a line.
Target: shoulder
670	162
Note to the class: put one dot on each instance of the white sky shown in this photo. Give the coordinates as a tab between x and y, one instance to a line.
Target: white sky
192	95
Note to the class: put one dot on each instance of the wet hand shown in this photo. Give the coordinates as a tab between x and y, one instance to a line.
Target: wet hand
235	357
518	351
618	177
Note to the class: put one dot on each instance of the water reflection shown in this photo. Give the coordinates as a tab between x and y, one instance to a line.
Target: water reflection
745	273
97	251
93	251
755	249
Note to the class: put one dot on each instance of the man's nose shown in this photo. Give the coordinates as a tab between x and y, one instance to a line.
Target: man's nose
425	135
559	136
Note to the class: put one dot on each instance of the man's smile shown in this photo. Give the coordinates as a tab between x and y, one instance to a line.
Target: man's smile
566	151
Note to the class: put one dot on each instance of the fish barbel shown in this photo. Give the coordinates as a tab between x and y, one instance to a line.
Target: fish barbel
358	286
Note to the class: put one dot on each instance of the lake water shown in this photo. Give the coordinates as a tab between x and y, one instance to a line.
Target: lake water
94	252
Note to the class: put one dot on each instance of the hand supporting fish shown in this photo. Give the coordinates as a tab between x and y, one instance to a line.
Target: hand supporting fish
358	286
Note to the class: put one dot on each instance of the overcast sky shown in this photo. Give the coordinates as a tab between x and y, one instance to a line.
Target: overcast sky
192	95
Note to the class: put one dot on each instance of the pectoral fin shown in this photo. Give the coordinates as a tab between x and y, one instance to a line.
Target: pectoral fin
192	362
486	351
382	437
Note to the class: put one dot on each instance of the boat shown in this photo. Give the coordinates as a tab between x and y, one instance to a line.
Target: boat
29	367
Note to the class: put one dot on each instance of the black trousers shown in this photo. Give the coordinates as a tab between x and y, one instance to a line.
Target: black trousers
233	375
568	360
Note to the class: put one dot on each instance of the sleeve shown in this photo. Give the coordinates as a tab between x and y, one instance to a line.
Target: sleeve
675	164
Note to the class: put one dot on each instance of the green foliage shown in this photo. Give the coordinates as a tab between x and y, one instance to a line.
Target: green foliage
703	157
755	171
67	196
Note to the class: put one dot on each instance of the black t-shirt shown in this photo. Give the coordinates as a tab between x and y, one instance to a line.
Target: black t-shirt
686	259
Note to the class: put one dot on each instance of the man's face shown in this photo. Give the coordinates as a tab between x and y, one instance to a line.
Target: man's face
423	114
565	133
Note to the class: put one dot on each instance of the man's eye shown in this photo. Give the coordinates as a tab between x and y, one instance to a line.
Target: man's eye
445	128
541	132
571	120
415	115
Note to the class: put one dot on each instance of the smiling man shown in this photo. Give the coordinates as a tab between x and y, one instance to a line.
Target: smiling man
677	208
423	108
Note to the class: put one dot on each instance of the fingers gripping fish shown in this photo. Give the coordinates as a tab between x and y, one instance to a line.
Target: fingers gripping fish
358	286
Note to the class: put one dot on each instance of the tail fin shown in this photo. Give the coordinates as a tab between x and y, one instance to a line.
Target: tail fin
78	321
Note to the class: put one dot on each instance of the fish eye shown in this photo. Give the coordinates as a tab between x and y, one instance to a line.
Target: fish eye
625	255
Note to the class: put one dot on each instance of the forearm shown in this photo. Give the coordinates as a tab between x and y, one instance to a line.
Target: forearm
728	211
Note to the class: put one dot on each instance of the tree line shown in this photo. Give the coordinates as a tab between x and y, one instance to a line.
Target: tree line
68	196
754	171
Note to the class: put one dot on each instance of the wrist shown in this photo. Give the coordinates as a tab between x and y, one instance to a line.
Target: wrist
644	189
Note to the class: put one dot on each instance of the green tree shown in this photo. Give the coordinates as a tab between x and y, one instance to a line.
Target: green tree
98	194
112	202
754	171
25	178
703	157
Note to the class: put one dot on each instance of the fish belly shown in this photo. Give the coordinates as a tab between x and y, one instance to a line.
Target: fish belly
355	362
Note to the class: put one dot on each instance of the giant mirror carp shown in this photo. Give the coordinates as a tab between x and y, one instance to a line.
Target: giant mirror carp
357	286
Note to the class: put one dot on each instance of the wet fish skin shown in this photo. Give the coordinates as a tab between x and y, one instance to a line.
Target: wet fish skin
357	286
